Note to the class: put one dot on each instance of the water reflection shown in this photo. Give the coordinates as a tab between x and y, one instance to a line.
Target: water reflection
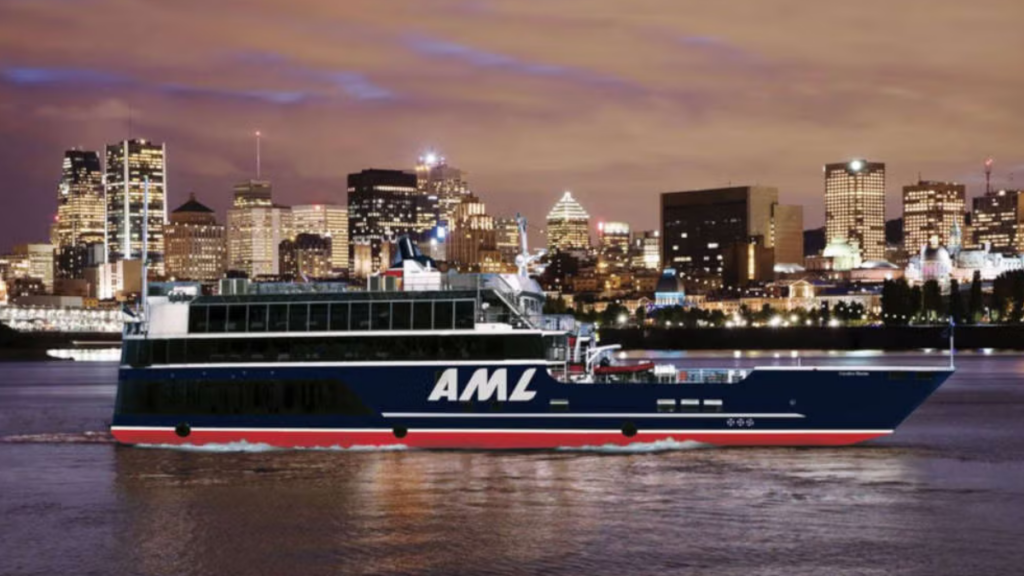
476	512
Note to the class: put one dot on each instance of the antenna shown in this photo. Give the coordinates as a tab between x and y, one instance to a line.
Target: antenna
988	176
129	121
258	135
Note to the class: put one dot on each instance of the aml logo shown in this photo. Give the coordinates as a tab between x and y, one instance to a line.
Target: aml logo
482	388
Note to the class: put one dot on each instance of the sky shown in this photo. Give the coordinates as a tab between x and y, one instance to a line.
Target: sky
614	100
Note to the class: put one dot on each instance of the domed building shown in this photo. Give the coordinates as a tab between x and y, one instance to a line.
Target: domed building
936	264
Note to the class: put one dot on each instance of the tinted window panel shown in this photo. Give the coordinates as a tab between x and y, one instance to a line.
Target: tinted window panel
257	318
218	318
197	318
298	317
380	313
339	316
464	311
318	317
422	315
443	315
278	320
237	318
401	315
360	316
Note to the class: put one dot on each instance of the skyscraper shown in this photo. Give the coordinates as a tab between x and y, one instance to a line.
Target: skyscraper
931	209
787	233
855	206
253	193
256	228
997	220
129	165
434	177
80	213
507	242
568	225
382	205
473	240
328	221
613	246
195	244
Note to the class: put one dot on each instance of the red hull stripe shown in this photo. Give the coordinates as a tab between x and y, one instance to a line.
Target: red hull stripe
486	439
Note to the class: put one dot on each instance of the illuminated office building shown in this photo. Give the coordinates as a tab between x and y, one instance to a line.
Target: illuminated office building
328	221
308	256
931	209
568	225
997	219
81	213
129	165
382	206
855	206
434	177
196	245
613	246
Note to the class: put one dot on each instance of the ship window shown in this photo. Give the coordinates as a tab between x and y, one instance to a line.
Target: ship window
689	405
380	314
360	319
666	405
236	318
298	317
339	316
257	318
922	376
218	318
422	315
464	310
443	315
558	405
197	319
401	315
712	406
317	317
278	318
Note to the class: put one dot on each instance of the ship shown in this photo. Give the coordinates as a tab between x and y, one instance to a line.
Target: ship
424	359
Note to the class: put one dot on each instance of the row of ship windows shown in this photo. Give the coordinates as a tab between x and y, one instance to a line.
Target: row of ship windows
335	349
663	405
338	316
232	397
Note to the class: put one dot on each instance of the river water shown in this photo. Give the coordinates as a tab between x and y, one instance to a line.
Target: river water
944	495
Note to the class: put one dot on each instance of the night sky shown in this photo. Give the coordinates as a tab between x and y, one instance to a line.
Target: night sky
615	100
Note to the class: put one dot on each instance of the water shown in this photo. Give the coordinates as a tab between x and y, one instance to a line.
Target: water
945	495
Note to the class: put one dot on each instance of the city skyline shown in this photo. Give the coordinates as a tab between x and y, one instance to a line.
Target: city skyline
529	99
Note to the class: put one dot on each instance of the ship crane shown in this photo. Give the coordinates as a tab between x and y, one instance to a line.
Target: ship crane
524	258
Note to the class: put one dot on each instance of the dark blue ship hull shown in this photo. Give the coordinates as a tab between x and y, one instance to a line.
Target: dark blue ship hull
506	405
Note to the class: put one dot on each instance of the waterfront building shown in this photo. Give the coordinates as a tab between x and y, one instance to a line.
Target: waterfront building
130	164
568	225
382	206
931	209
81	213
997	220
855	206
307	256
196	245
31	261
329	221
254	236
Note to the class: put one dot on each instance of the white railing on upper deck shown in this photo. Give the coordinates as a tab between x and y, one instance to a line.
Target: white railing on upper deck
670	374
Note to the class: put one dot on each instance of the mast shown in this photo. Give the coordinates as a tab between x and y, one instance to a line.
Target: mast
145	248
